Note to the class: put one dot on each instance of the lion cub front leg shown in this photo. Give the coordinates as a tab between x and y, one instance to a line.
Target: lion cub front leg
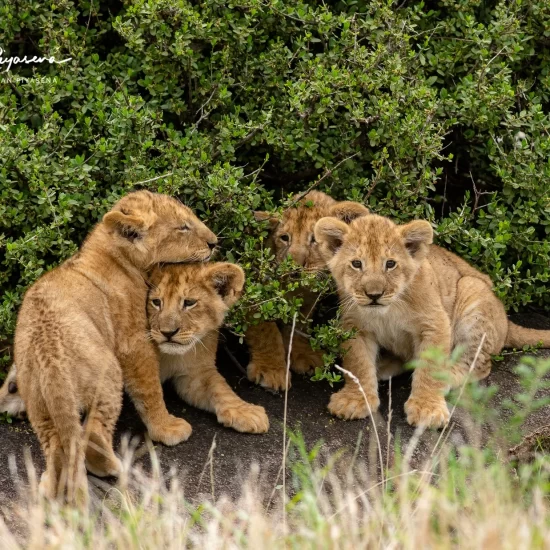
204	387
350	402
426	405
141	379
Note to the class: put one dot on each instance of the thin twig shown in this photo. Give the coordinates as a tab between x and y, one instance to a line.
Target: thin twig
356	452
244	140
203	114
303	334
413	444
366	491
368	120
388	440
209	464
466	378
477	194
88	23
444	200
323	177
276	482
284	417
52	209
356	380
486	68
234	360
201	108
154	179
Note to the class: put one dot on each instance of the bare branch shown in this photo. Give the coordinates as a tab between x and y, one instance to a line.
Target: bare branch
327	174
154	179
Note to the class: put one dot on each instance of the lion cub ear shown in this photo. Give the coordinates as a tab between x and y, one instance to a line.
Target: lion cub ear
330	234
417	235
227	280
154	273
347	211
266	216
127	224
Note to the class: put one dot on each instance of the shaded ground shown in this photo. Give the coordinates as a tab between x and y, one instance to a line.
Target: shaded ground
234	452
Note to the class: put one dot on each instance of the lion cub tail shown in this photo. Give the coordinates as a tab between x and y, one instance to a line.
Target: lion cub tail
63	410
518	337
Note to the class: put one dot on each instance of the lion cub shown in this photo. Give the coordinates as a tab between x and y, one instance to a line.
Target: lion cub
215	287
292	235
406	295
82	332
186	307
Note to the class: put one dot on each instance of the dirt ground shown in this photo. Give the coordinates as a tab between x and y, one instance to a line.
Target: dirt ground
233	453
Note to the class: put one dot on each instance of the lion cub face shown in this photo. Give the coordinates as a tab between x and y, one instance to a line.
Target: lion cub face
153	228
186	302
373	260
293	234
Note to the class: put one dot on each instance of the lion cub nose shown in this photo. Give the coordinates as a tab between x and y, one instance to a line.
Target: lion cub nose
374	297
211	246
169	333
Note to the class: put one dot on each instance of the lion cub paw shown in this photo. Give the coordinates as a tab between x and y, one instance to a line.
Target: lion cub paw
349	403
101	461
306	363
244	417
429	412
172	431
268	376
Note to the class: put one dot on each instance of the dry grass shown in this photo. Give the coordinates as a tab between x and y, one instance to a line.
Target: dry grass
464	500
467	498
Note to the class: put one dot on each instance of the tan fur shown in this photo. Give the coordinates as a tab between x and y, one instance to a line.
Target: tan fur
81	332
431	298
292	235
10	398
187	335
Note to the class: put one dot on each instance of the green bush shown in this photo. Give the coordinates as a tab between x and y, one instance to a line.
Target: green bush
436	110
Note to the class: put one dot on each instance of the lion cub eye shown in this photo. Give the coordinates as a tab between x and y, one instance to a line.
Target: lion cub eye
390	264
312	240
184	227
357	264
189	303
285	237
156	302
